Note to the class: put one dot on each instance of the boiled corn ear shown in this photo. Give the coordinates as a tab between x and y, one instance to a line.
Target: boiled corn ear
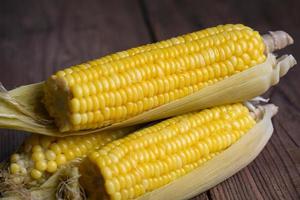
161	154
106	91
151	82
223	166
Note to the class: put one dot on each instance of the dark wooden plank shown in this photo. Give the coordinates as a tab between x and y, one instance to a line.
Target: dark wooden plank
171	18
40	37
202	196
275	173
43	36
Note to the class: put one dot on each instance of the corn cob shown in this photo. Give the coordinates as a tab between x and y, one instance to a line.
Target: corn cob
155	156
41	156
123	85
164	79
226	164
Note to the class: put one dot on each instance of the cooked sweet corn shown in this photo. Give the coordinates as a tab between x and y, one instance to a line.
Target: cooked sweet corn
44	155
155	156
122	85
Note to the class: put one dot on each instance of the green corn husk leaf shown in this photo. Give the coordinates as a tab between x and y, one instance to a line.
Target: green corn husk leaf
221	167
63	184
21	108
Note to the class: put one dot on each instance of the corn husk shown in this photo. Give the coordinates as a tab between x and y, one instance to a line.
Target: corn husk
221	167
21	108
63	184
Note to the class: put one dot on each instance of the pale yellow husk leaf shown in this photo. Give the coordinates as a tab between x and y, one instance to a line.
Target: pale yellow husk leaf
21	108
50	190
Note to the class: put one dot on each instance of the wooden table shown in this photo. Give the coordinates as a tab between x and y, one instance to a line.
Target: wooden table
39	37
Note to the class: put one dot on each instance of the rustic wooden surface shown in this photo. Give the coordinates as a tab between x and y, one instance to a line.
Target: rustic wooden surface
39	37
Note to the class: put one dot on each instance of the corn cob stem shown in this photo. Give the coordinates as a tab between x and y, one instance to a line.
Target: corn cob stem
259	111
276	40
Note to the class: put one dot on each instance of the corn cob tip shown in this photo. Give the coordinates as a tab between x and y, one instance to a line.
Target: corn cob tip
277	40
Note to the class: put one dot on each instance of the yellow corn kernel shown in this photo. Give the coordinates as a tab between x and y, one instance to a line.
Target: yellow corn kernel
14	168
14	158
41	165
36	156
51	166
61	159
50	155
36	174
37	148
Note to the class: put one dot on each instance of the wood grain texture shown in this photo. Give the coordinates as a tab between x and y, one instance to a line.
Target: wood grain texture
275	174
38	37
